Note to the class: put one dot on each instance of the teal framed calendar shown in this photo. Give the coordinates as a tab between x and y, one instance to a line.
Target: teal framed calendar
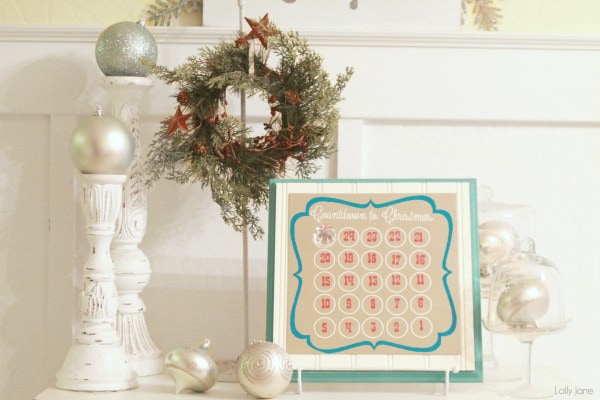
375	280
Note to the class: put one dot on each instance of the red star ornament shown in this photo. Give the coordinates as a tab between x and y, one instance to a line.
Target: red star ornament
260	30
177	121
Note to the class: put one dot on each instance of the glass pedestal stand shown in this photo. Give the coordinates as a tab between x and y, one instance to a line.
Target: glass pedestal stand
494	371
527	390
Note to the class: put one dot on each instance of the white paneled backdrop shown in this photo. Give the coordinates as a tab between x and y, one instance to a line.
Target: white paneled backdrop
519	113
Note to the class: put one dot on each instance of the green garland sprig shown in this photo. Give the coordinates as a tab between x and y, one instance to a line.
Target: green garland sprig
202	143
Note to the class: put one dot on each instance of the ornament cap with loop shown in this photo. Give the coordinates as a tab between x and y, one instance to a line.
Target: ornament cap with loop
99	111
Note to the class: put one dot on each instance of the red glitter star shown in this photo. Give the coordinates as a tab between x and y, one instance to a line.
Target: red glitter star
260	30
177	121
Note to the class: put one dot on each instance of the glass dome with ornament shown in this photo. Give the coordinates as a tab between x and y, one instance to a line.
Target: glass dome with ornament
526	301
500	226
520	216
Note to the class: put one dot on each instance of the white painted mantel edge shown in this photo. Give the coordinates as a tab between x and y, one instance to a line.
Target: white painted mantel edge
353	38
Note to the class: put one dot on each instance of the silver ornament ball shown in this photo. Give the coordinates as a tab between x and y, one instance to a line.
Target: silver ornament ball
191	368
264	369
523	303
496	241
123	48
503	230
491	250
101	144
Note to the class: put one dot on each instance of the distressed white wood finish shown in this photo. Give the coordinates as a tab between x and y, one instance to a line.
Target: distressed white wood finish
96	361
132	267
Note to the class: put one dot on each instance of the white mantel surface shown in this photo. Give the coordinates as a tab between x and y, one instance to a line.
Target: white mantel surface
161	387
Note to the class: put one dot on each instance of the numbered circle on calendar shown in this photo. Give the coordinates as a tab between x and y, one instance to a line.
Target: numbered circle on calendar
348	259
348	237
419	237
420	282
371	237
421	327
396	282
372	304
349	327
395	260
397	327
324	281
324	304
396	304
372	282
421	304
349	303
348	281
324	259
395	237
372	260
373	327
420	259
324	327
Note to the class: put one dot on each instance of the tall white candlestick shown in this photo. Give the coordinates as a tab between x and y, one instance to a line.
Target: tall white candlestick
132	266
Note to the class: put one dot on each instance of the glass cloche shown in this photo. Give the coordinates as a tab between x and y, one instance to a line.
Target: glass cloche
520	216
526	300
500	226
526	295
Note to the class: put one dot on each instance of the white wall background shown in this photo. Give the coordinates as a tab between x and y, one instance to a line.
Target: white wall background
519	113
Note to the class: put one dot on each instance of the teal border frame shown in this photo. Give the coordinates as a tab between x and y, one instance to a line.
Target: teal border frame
384	376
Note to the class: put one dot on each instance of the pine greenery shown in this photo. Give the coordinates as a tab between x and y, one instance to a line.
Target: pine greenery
217	151
163	11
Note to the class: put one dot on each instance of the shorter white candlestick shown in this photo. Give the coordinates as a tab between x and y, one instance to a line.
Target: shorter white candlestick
96	361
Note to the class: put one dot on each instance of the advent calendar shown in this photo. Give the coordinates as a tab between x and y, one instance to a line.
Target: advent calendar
375	280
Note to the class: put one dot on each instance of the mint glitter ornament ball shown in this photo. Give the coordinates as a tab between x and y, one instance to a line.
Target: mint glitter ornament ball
124	48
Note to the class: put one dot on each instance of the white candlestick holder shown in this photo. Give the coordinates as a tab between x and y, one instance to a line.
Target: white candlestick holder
132	266
96	361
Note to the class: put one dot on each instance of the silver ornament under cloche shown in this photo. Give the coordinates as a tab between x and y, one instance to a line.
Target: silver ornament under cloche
126	49
191	368
496	243
264	369
526	301
523	303
500	226
526	295
101	144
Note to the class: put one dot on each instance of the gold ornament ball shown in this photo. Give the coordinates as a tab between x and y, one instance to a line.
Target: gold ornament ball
191	368
264	370
524	303
123	48
101	144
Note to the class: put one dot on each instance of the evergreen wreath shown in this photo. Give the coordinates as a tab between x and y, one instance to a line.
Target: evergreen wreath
202	143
